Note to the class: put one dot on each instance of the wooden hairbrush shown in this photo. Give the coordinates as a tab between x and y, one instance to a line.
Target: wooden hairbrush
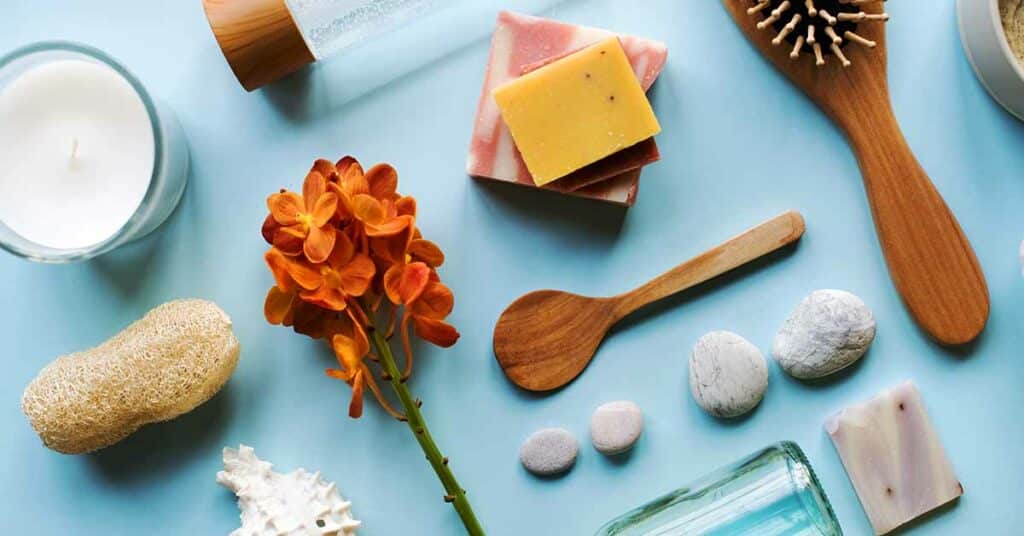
834	50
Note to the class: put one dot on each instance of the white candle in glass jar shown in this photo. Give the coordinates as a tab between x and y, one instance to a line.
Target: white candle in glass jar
89	161
77	151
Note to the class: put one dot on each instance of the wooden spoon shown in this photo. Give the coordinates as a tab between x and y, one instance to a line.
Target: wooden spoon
546	338
930	259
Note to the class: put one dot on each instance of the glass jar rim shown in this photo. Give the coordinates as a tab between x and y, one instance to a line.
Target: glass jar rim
41	253
795	454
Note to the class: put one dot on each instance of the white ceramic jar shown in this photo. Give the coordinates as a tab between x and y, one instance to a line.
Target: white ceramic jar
988	50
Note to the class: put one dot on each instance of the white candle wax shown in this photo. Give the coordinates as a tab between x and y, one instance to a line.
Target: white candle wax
77	152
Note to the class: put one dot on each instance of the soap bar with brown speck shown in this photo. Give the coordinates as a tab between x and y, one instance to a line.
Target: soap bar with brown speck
576	111
894	458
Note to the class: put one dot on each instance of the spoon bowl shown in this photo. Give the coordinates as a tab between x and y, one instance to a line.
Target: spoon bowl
561	332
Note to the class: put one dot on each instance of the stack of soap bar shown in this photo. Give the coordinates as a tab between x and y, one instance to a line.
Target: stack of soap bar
576	111
523	43
894	458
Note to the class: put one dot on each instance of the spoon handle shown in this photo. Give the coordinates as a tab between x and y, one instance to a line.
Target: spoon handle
771	235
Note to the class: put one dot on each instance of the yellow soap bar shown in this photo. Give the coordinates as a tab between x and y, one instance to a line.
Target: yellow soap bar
576	111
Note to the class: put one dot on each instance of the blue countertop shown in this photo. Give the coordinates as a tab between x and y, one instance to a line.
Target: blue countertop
739	145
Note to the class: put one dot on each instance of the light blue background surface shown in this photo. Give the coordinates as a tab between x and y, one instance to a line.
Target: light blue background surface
739	145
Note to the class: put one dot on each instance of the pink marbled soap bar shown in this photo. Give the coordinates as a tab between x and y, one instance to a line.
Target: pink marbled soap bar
894	457
522	41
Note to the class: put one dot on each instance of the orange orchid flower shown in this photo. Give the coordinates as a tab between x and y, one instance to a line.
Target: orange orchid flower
351	347
305	221
286	308
429	311
350	351
346	274
345	256
427	303
370	197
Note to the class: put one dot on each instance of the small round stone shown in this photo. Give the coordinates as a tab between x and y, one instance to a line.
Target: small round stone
728	374
616	426
829	331
549	451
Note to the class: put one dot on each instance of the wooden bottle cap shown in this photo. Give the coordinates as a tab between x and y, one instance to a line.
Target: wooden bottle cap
259	38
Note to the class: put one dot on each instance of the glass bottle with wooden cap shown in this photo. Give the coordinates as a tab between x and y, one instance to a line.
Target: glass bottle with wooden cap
264	40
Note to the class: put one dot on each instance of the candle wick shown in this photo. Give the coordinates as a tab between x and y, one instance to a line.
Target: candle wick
74	148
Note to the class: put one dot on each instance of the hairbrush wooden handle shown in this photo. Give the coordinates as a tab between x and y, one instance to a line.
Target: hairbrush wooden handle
930	259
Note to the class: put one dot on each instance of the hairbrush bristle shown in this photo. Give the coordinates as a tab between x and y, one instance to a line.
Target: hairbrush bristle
803	23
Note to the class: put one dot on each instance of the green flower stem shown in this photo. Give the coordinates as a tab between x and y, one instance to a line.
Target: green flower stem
455	494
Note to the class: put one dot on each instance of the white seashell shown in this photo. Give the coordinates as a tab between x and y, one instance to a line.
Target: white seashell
275	504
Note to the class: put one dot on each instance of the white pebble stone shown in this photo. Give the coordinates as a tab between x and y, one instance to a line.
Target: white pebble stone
549	451
616	426
728	374
829	331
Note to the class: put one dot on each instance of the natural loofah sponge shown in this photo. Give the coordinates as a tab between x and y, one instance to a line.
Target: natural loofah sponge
166	364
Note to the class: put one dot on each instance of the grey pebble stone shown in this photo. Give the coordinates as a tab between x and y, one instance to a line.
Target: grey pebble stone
549	451
616	426
829	331
728	374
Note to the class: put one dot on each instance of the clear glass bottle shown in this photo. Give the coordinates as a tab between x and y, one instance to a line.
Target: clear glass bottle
771	493
330	26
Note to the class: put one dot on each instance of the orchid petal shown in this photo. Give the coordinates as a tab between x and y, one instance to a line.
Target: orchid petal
311	321
367	209
286	207
391	283
270	226
347	167
355	407
347	350
289	240
329	298
390	227
278	306
325	168
437	332
413	282
357	275
426	251
383	181
278	265
436	302
302	273
406	206
392	248
344	249
324	209
319	243
313	187
339	374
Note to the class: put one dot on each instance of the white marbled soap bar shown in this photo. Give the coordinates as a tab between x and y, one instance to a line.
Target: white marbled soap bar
894	457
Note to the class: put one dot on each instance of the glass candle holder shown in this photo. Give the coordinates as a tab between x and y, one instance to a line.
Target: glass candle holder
90	160
771	493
